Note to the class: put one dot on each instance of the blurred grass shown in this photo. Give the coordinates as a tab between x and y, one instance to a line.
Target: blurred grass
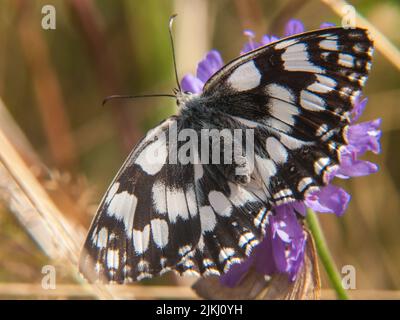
132	55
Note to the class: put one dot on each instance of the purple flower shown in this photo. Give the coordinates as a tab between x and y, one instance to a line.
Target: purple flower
282	249
293	27
206	68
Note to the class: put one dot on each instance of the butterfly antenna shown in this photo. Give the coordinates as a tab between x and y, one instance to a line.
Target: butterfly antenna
134	97
171	21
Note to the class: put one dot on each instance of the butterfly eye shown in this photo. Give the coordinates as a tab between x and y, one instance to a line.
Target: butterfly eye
187	92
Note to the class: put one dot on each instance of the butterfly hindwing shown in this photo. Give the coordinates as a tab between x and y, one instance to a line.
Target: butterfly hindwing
159	216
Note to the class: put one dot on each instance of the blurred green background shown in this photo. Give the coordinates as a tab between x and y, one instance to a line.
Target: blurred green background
53	82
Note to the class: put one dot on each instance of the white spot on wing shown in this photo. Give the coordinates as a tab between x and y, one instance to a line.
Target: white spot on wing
159	231
207	219
276	150
123	207
226	254
358	48
183	251
346	60
143	266
266	168
320	164
283	111
198	171
322	129
304	183
211	272
281	194
323	84
154	155
280	92
144	275
295	58
159	197
141	239
220	203
345	91
311	101
329	45
239	196
277	125
112	259
262	218
245	77
176	204
292	143
191	201
101	238
248	241
201	244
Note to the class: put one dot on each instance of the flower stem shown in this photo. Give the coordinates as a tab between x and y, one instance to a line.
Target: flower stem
325	255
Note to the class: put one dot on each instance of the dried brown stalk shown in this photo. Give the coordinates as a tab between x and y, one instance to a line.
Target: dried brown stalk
46	86
66	291
91	25
28	200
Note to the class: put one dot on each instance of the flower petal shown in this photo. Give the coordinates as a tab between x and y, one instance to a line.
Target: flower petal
329	199
358	109
352	167
293	27
266	39
326	25
192	84
365	136
288	251
209	65
281	250
250	44
249	33
236	273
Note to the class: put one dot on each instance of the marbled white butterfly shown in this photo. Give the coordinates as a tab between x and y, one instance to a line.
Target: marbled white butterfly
201	218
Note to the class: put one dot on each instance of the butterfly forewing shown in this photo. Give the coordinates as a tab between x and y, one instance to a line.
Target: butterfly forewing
296	94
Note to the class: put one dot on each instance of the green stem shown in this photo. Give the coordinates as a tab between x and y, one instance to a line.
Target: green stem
325	255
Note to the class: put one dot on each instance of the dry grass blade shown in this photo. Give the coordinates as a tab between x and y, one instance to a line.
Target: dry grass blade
68	291
29	201
65	291
46	85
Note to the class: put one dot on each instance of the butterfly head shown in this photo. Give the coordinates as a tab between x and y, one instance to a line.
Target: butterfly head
183	97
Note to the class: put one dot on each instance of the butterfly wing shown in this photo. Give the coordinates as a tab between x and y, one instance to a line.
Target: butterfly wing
159	215
297	94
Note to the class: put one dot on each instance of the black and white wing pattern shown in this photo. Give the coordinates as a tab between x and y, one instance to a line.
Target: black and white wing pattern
297	94
158	215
